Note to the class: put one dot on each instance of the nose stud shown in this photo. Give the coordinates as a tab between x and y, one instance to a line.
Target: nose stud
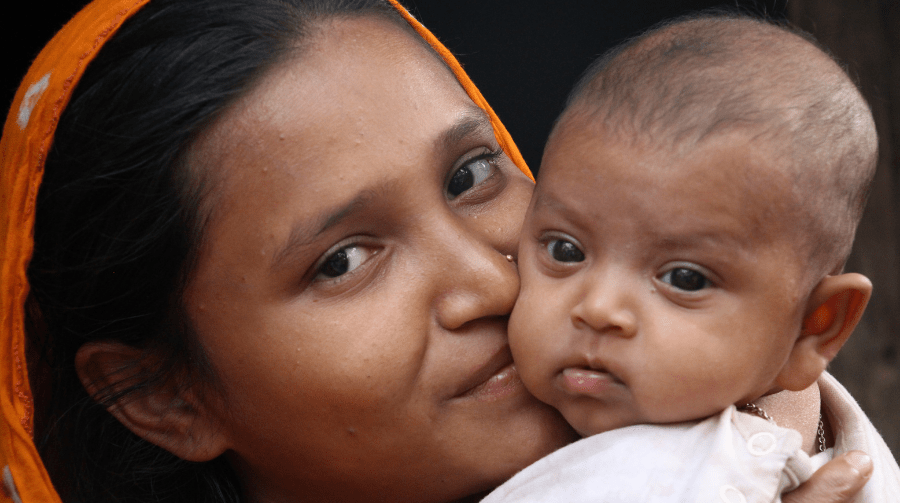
510	258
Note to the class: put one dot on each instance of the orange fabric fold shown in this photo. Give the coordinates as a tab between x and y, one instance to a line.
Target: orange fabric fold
500	132
27	136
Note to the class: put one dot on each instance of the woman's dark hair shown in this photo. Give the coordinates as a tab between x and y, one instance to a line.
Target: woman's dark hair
119	223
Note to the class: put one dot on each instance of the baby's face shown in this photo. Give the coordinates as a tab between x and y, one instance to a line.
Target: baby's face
655	287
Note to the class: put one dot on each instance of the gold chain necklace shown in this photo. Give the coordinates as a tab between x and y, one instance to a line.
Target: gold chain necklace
756	409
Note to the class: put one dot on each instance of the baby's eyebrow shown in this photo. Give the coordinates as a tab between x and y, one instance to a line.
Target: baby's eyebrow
542	199
727	241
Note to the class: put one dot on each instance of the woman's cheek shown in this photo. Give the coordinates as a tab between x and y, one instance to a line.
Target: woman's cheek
500	220
520	191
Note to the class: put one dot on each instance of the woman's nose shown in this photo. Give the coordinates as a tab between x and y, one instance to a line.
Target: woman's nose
606	306
478	281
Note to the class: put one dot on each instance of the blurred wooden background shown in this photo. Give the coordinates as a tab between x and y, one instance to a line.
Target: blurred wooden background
865	34
526	55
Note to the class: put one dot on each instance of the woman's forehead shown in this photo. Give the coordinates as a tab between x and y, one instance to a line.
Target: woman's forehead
357	77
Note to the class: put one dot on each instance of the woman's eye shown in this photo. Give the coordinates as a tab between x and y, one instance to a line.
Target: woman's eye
342	261
471	174
686	279
564	251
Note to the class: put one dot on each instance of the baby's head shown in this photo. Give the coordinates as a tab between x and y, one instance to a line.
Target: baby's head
695	207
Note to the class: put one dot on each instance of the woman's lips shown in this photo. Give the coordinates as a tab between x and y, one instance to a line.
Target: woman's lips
495	379
592	382
506	381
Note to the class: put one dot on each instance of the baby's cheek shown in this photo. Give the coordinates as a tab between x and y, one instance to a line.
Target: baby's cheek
521	336
524	313
534	357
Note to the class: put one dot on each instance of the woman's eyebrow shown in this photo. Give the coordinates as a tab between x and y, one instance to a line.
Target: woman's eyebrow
472	121
305	233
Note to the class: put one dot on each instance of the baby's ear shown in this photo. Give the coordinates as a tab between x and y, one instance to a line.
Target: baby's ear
834	308
167	415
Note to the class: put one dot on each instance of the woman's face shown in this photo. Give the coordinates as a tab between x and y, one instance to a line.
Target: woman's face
352	292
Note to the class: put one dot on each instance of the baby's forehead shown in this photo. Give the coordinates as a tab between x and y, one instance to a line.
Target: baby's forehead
736	173
747	154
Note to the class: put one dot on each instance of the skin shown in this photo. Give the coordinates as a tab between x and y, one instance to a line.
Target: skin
378	345
657	286
352	293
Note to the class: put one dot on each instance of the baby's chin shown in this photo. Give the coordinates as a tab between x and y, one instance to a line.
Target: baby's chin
588	422
589	430
590	418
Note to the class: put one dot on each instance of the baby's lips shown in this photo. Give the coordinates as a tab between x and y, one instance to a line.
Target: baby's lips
591	382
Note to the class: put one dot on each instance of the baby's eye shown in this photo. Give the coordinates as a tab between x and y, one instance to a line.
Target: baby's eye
472	173
686	279
341	262
562	250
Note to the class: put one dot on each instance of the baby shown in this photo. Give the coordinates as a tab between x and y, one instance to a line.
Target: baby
683	257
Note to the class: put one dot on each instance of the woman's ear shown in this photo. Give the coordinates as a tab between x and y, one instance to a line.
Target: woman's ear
167	415
834	308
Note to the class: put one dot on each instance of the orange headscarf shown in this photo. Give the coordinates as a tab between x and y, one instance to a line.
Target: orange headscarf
27	135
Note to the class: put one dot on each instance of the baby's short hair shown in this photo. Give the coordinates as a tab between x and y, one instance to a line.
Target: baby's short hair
716	73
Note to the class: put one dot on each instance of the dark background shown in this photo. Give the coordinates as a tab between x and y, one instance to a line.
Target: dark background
526	55
523	55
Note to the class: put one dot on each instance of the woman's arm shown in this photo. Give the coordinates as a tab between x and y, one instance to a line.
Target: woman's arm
836	482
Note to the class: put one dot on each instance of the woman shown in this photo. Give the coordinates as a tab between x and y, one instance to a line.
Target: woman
272	262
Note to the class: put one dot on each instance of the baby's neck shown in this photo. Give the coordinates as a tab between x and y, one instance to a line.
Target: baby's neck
798	410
